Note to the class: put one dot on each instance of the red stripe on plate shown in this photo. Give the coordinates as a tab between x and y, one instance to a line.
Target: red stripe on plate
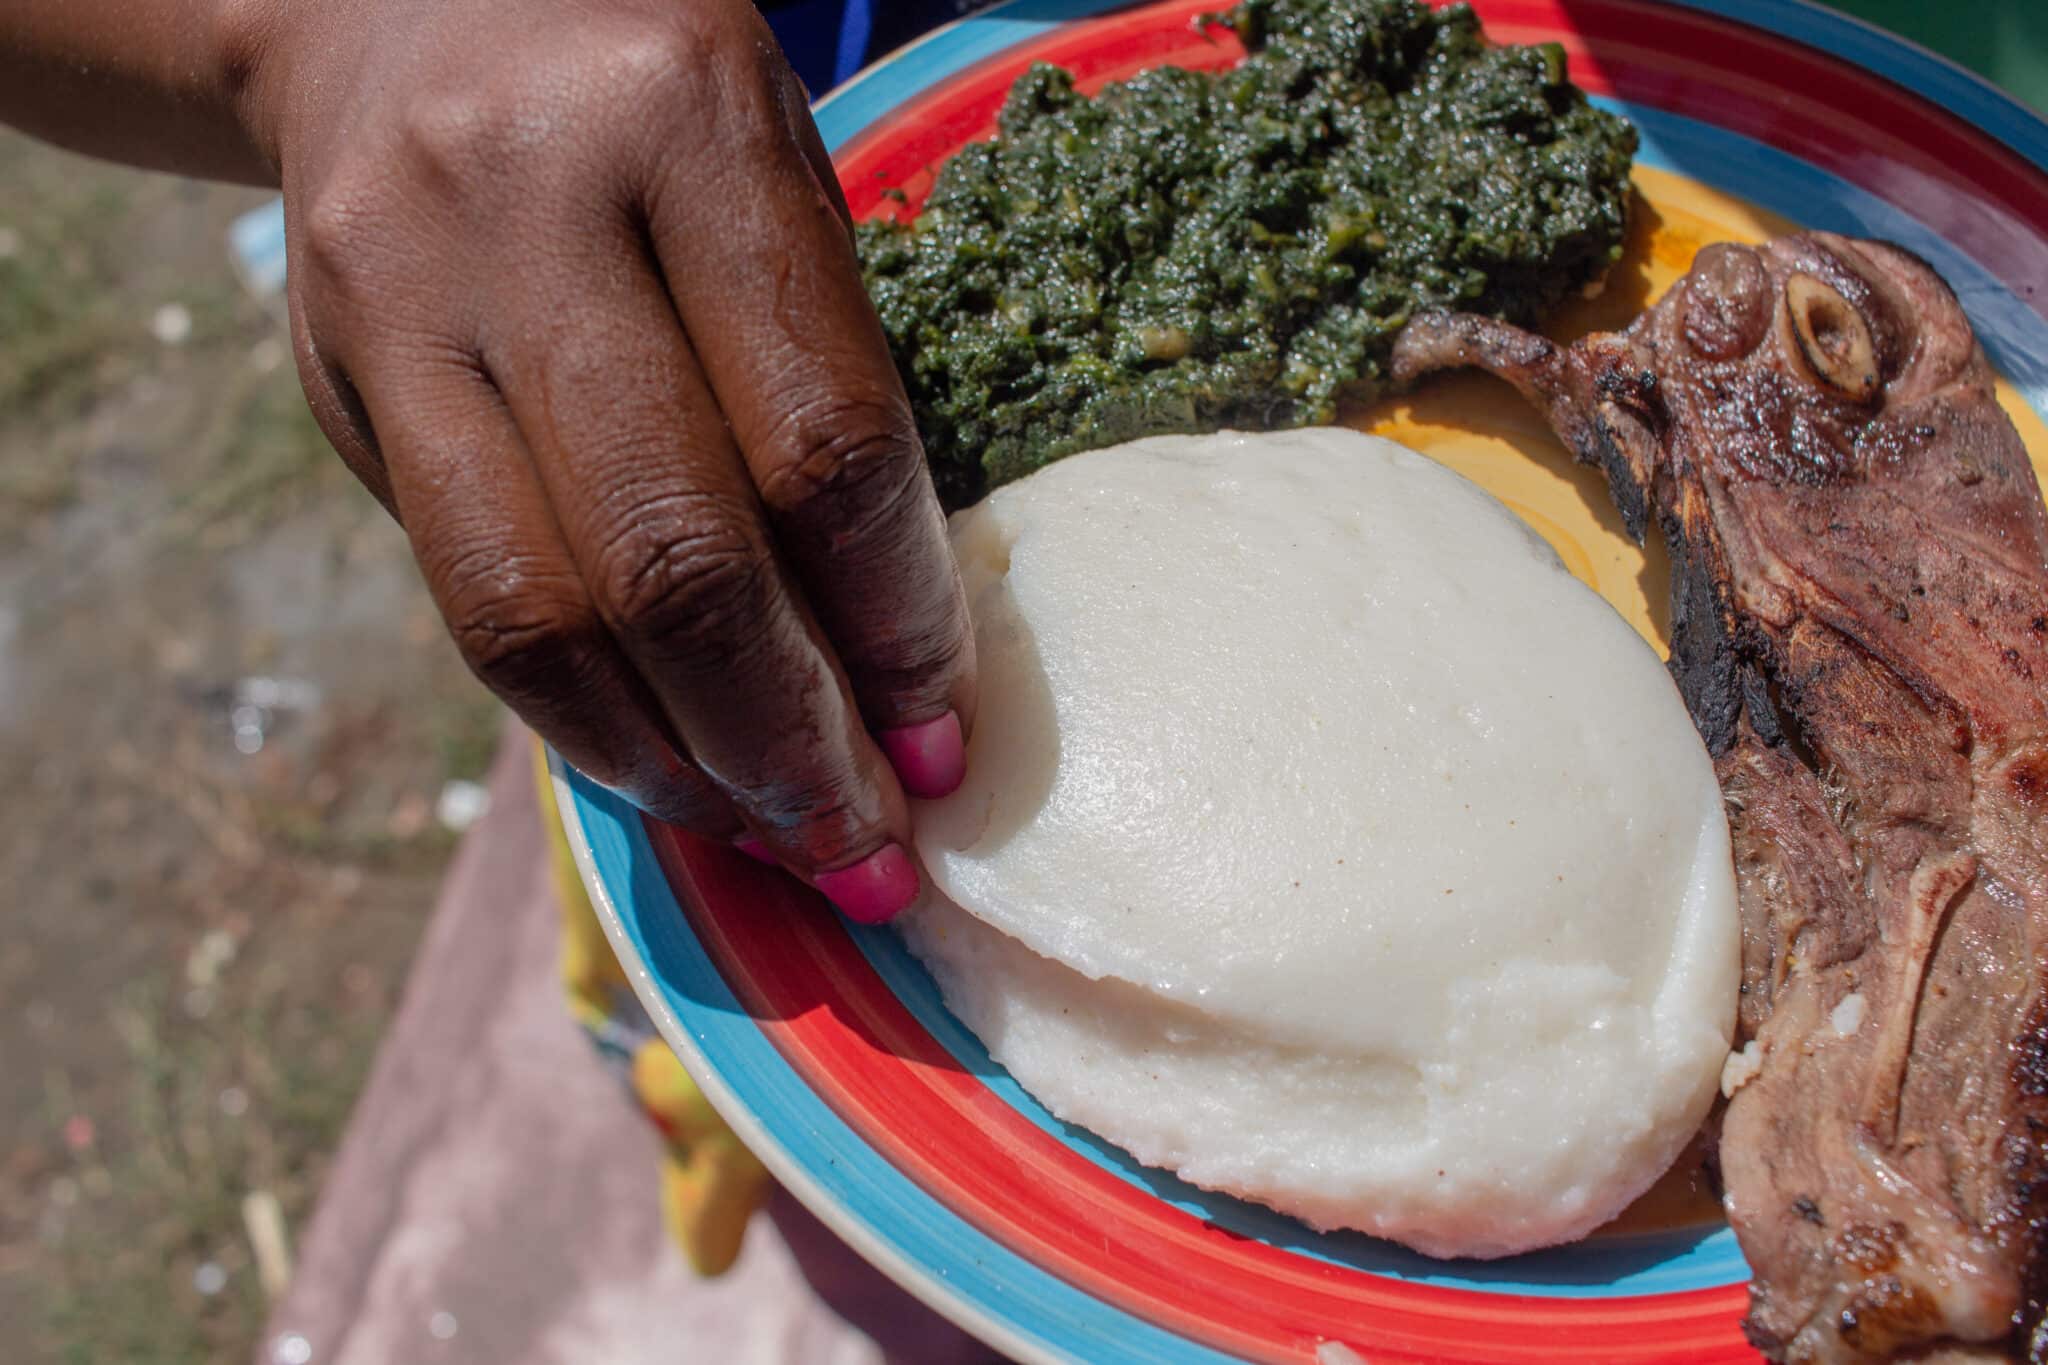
794	969
1967	186
902	150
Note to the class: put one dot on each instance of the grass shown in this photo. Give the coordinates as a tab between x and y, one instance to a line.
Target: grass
466	732
218	1106
79	288
58	337
240	1066
60	331
272	460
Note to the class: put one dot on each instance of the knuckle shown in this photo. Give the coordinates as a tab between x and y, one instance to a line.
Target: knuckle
829	825
916	671
636	71
521	638
843	463
688	589
334	224
693	804
650	774
507	127
340	229
918	666
752	120
719	75
456	136
649	53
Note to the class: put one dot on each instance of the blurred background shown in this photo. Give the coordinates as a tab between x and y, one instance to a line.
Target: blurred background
238	752
235	745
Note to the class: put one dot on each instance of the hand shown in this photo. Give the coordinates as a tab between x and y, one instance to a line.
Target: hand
573	293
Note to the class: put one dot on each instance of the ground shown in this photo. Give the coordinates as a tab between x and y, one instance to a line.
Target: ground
199	945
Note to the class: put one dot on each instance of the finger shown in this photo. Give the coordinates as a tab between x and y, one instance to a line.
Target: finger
766	282
930	756
337	408
502	575
666	529
796	117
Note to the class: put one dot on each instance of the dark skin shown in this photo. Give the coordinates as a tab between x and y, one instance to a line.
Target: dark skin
573	294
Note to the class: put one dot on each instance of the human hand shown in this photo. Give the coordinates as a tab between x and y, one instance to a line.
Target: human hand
573	293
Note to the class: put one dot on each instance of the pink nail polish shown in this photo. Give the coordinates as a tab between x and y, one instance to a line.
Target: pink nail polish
874	889
929	759
755	849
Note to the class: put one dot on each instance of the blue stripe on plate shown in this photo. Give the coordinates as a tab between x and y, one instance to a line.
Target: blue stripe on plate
1611	1267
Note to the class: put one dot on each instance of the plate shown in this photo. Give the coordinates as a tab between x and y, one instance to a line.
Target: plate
826	1045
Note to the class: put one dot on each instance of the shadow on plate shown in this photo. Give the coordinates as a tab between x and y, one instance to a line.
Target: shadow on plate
1635	1262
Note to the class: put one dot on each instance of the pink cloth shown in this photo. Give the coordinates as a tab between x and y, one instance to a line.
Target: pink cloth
494	1197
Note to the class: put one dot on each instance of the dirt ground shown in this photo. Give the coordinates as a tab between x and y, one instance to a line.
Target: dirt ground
227	717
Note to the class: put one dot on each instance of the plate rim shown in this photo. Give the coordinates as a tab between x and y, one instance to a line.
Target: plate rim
1911	65
1943	81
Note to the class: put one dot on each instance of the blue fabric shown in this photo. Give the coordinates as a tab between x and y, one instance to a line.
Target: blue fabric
828	41
825	40
856	28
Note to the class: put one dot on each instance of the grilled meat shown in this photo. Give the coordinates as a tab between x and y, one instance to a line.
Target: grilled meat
1860	628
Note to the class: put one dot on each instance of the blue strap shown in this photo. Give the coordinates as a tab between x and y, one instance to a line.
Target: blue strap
827	41
856	27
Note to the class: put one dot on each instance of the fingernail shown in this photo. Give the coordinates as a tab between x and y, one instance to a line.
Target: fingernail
755	849
929	759
873	889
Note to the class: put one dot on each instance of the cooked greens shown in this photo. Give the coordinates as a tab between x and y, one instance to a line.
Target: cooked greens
1187	251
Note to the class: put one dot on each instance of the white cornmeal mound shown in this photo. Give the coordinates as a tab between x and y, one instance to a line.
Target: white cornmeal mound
1327	843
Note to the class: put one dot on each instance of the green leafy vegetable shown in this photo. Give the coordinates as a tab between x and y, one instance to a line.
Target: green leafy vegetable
1187	251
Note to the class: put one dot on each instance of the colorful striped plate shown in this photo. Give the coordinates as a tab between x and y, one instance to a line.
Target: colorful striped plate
827	1046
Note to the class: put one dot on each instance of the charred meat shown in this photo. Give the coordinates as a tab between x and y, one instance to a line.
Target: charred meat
1860	628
